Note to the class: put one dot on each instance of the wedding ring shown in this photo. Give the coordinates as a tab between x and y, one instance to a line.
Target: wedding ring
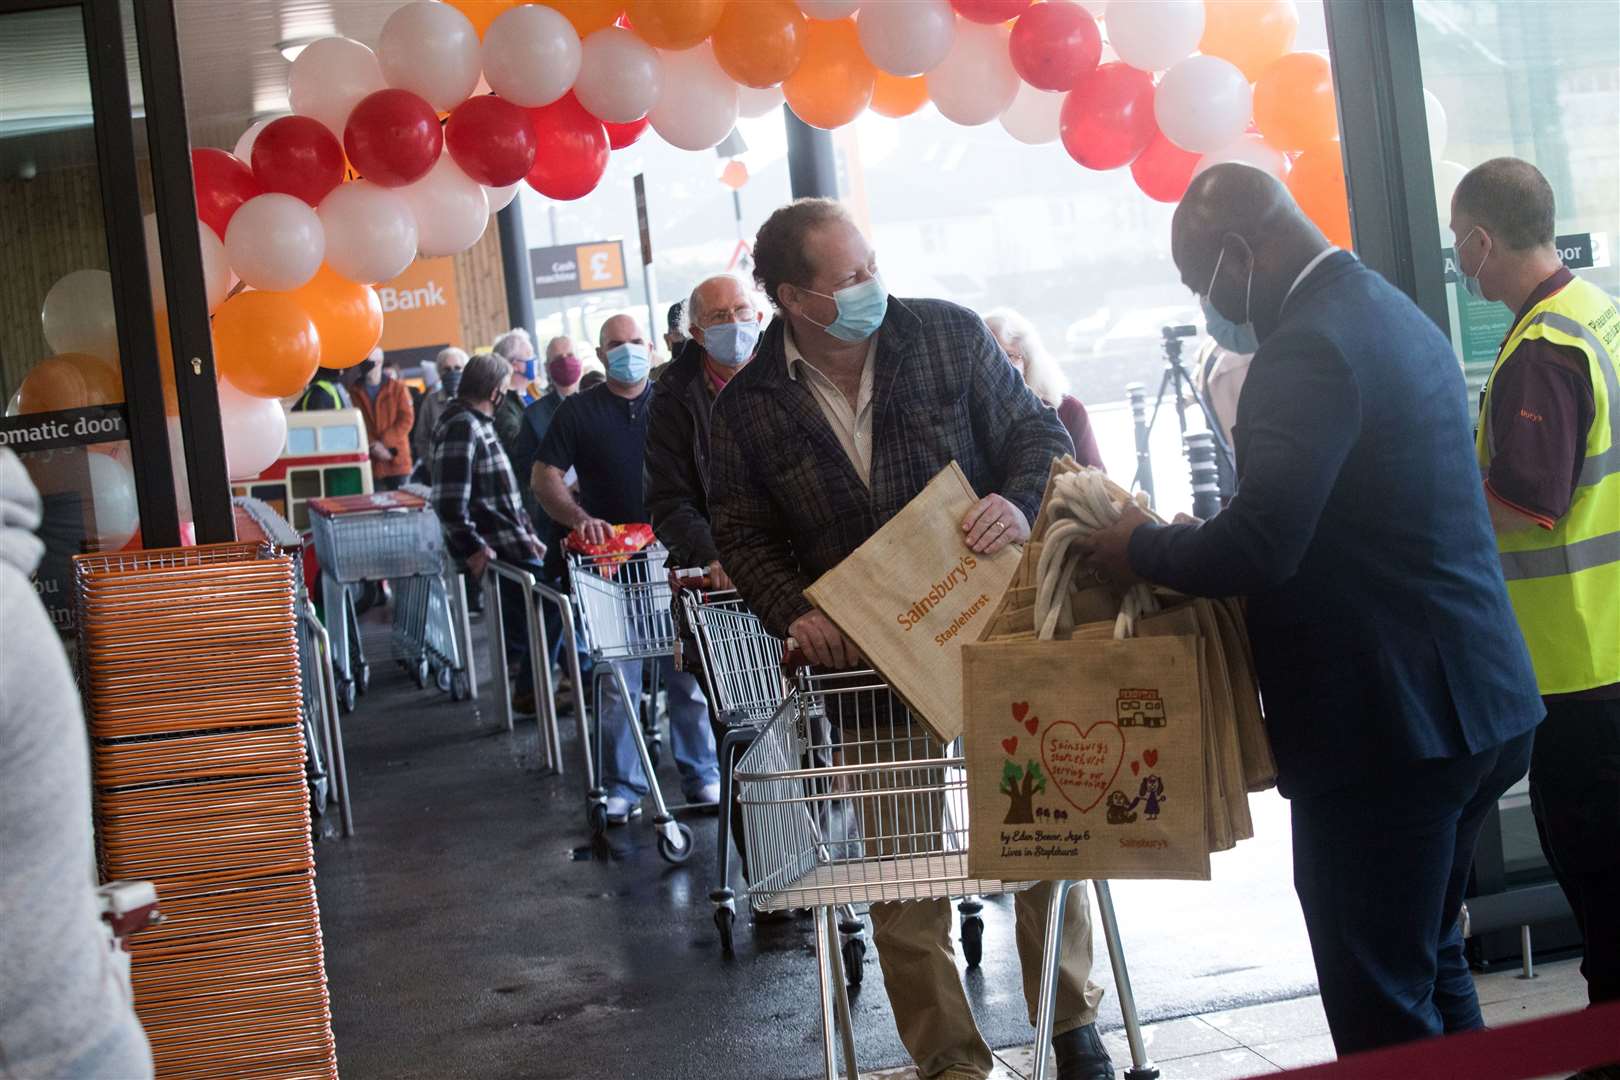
1001	524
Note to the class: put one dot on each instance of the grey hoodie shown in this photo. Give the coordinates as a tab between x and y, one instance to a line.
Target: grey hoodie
63	1009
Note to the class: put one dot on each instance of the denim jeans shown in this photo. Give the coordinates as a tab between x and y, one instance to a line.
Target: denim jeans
690	736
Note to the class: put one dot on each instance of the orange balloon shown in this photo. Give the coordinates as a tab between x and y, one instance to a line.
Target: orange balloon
1293	102
1317	184
897	96
835	80
348	317
266	344
588	16
675	24
1249	33
482	12
69	380
760	42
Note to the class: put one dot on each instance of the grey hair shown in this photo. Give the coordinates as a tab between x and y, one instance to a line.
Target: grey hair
749	289
1041	371
504	345
447	355
483	373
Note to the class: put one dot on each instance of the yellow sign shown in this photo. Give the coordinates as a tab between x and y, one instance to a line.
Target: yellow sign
420	307
601	267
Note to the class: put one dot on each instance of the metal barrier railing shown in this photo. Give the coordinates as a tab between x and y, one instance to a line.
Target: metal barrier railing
332	725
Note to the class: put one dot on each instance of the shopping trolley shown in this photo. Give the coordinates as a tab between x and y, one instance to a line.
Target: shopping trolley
387	535
744	681
429	622
623	604
847	798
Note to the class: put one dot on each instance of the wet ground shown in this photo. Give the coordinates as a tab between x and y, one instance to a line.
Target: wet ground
470	932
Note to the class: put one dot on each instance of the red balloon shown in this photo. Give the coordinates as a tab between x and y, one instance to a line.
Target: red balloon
1164	169
1107	119
223	182
622	135
990	11
572	149
297	156
490	138
393	137
1055	44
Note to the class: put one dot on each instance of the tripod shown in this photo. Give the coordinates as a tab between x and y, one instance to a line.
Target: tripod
1179	382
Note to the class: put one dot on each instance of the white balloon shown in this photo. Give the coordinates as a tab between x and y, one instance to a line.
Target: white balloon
451	209
1447	175
1034	115
1249	149
78	315
620	77
255	431
531	55
329	78
216	266
829	9
1439	127
754	103
370	232
112	500
430	49
1154	34
698	107
976	82
244	145
501	197
1203	103
907	37
275	242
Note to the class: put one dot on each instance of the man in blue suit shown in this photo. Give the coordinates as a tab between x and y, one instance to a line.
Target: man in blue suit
1398	691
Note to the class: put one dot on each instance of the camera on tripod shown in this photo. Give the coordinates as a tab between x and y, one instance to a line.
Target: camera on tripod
1207	451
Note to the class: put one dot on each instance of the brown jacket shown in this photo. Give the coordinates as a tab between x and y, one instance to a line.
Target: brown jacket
388	421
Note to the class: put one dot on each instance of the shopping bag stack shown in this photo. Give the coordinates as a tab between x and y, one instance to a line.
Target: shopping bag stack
1108	732
189	668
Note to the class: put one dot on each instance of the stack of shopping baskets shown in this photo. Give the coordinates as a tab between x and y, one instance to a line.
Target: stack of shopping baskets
389	536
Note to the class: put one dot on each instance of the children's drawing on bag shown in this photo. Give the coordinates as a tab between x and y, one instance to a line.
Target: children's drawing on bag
1149	795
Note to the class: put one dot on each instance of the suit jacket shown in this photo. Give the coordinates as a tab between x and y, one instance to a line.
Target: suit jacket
388	420
787	505
1380	622
677	464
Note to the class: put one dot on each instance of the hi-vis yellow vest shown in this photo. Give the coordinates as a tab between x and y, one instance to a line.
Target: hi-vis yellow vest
1565	582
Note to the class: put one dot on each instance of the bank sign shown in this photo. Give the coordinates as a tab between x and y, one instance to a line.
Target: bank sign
572	269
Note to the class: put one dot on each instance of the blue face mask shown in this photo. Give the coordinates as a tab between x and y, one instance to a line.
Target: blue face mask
861	308
530	368
731	344
1471	281
1231	336
628	363
451	381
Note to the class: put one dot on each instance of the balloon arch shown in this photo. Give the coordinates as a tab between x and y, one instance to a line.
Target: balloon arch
409	149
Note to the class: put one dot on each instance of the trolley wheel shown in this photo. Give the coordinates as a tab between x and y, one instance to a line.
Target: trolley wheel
675	853
973	940
596	814
420	673
460	687
724	918
364	676
345	692
442	679
854	960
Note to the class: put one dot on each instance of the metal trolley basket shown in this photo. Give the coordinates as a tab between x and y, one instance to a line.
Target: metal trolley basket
743	678
847	798
395	536
623	603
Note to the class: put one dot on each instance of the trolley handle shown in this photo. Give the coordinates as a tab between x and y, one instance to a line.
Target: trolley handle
695	578
793	658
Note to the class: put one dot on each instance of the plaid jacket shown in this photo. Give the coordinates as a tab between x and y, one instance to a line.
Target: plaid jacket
474	492
786	503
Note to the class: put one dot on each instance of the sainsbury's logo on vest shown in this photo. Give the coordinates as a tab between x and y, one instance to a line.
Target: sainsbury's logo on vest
428	295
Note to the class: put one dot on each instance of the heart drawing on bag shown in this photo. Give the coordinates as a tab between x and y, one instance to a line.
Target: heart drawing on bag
1151	757
1136	768
1010	745
1020	710
1083	764
1031	724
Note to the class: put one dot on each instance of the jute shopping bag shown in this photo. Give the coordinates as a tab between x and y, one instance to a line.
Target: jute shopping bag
1259	766
1085	759
913	595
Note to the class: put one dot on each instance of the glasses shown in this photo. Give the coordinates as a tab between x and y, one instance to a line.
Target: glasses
740	313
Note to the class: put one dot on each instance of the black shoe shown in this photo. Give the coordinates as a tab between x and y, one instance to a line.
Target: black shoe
1082	1056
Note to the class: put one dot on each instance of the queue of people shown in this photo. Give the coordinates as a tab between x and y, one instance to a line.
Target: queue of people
1422	638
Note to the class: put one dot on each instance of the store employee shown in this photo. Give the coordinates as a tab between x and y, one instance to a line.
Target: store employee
1549	449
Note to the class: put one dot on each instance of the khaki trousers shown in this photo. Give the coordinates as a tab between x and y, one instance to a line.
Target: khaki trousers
913	937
